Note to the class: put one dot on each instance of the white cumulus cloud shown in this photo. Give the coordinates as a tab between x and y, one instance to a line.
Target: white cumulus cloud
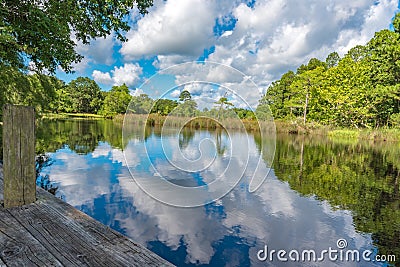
102	77
128	74
174	27
99	51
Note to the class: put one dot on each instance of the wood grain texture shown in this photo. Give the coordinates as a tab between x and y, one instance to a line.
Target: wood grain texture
1	186
19	155
51	232
17	248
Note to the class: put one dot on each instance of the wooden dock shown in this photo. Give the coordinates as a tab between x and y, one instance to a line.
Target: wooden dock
50	232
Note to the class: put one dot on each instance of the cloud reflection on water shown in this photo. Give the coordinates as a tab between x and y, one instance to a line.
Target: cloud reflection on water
232	229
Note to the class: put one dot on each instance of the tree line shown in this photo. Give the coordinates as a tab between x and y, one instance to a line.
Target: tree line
49	94
361	89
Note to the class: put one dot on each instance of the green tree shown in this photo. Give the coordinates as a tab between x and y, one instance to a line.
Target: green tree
186	109
41	30
164	106
359	90
141	104
332	60
305	93
358	53
185	96
244	113
263	112
223	104
395	120
37	90
85	95
347	96
396	23
386	103
12	82
384	51
305	89
41	93
116	101
312	64
278	94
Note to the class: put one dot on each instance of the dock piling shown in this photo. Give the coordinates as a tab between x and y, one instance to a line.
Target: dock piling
19	155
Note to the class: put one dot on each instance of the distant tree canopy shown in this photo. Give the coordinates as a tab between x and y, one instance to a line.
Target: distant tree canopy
141	104
116	101
164	106
82	95
41	31
185	96
362	89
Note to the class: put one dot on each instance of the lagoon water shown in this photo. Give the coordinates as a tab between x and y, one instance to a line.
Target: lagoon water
317	191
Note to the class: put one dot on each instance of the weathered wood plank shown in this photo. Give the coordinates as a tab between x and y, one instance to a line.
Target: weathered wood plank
60	239
76	239
1	184
18	155
28	153
11	159
17	248
52	232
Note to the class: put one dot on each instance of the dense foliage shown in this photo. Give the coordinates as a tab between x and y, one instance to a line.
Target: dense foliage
82	95
36	90
116	101
41	31
362	89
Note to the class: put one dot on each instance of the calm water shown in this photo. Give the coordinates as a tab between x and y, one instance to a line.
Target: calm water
317	192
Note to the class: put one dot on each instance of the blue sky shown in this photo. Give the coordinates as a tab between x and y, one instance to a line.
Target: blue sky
260	38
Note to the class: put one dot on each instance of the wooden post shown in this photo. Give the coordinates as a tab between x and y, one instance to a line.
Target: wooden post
19	155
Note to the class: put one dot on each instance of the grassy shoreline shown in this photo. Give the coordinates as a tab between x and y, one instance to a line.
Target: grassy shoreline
71	115
285	127
381	134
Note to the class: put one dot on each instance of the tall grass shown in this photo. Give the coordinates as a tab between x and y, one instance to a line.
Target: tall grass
194	123
280	126
385	134
344	133
382	134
